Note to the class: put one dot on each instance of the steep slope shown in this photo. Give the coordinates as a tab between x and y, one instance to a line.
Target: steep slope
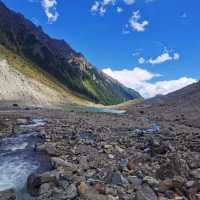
26	84
182	106
59	60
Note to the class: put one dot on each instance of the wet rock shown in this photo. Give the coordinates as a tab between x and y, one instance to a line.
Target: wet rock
8	195
146	193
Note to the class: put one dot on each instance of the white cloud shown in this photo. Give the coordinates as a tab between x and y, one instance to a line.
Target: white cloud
141	60
164	58
95	7
135	24
176	56
149	1
100	6
119	9
140	80
129	2
50	10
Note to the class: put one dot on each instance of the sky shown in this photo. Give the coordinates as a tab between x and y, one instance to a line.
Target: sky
152	46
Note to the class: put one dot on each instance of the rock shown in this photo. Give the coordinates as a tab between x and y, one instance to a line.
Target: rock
110	156
92	195
48	148
22	121
131	164
175	167
189	184
83	163
123	165
151	181
8	195
135	181
100	188
111	191
115	178
176	183
82	188
58	162
71	192
110	197
35	181
146	193
44	188
119	149
166	185
118	179
196	173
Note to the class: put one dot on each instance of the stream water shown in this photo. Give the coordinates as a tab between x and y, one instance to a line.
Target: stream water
18	160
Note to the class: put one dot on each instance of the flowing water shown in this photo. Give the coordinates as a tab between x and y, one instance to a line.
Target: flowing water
18	160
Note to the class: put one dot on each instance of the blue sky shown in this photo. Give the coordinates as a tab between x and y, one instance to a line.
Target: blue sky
150	45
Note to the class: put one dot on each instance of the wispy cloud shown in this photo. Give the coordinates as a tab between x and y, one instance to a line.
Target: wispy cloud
141	80
164	57
129	2
50	10
119	9
100	7
135	22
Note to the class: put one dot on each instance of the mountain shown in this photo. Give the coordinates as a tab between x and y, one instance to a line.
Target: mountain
181	106
57	60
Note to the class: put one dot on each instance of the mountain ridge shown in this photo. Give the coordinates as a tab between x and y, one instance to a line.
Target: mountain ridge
58	59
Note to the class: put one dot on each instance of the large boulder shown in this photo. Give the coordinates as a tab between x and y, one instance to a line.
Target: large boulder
48	148
38	183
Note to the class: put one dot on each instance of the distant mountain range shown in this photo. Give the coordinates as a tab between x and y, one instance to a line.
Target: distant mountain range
56	60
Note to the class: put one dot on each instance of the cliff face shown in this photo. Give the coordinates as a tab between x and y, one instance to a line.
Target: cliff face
59	60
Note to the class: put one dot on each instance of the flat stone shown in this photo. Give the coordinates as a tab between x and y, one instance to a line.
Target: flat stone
58	162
